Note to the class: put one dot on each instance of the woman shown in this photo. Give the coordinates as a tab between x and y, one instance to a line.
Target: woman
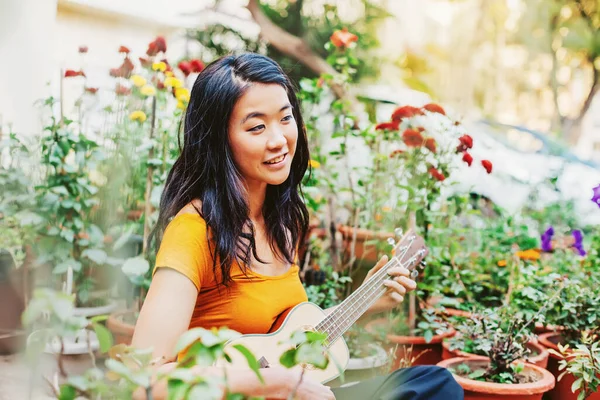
231	219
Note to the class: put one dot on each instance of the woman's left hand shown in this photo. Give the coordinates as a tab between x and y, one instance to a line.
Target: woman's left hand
398	284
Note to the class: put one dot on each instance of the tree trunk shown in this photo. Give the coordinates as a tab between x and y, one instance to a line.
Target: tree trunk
572	128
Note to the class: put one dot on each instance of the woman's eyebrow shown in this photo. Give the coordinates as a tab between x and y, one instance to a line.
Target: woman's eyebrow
258	114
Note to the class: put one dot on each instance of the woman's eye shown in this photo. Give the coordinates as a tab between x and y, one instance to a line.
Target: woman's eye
288	118
257	128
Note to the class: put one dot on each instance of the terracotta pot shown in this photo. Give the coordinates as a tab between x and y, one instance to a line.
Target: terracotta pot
121	330
540	357
427	353
541	328
562	391
366	252
478	390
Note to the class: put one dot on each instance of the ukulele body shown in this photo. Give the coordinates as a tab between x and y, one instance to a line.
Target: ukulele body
269	347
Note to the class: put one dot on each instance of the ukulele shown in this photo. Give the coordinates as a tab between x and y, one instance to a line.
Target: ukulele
307	316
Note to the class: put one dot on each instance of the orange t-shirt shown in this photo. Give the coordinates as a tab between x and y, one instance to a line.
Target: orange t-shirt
250	304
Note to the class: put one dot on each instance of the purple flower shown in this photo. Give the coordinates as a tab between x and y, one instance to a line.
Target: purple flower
596	196
547	239
578	236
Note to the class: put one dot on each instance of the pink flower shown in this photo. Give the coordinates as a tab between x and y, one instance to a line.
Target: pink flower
83	49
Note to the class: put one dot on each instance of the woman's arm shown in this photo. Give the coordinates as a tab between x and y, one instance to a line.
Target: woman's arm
165	316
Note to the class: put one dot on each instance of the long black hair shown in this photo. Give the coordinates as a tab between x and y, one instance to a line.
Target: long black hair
206	170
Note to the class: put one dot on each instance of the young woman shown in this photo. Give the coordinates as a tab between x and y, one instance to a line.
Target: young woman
231	218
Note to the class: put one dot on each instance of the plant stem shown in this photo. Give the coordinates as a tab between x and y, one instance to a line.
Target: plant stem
147	205
293	394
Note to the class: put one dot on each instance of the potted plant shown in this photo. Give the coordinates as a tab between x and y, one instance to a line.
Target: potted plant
580	366
475	336
577	313
503	372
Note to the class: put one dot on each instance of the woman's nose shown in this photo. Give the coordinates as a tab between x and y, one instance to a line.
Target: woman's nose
277	139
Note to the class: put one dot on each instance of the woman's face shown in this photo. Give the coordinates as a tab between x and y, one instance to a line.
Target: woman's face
263	135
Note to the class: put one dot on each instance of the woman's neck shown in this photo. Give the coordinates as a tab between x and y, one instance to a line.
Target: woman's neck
256	200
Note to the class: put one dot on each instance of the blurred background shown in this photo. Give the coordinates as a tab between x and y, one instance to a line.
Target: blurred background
92	93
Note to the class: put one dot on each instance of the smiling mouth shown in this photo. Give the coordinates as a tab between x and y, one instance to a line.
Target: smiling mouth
276	160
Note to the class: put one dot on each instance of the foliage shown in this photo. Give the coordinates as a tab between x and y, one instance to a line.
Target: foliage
583	362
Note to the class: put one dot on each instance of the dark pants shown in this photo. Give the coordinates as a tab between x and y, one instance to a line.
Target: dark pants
416	383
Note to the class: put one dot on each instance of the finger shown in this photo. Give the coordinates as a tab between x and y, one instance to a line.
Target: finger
398	271
408	283
397	297
395	286
382	261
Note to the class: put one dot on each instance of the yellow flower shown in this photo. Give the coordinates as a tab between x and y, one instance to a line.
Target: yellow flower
138	116
148	90
180	105
378	217
159	66
531	255
386	209
502	263
182	94
314	164
169	73
138	80
171	81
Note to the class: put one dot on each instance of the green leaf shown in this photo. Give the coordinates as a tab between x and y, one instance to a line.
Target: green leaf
135	266
251	359
428	336
119	368
288	358
576	385
177	389
96	255
104	336
476	374
67	392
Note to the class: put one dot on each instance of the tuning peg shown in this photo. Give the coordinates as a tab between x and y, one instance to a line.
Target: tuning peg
423	263
414	274
391	241
398	232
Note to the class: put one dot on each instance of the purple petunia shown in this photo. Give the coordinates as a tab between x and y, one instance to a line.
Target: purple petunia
547	239
578	236
596	196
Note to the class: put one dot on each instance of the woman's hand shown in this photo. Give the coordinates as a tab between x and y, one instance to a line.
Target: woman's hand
308	389
398	285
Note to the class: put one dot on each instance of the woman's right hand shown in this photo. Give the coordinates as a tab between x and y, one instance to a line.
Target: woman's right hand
309	389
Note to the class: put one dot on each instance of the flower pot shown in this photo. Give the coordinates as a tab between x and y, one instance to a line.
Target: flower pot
425	353
12	336
366	252
478	390
89	312
538	357
562	391
362	368
74	355
122	324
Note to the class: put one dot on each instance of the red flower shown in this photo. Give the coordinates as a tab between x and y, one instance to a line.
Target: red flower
467	158
121	90
412	138
71	73
197	65
395	153
159	44
436	174
487	164
390	126
405	112
83	49
123	49
91	90
123	71
185	67
343	38
466	142
160	85
430	144
421	129
434	108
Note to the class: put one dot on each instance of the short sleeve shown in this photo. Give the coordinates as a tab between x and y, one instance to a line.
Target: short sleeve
184	248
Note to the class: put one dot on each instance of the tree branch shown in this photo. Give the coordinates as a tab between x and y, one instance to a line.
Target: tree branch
293	46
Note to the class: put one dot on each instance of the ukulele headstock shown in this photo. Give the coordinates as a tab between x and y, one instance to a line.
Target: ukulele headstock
409	251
